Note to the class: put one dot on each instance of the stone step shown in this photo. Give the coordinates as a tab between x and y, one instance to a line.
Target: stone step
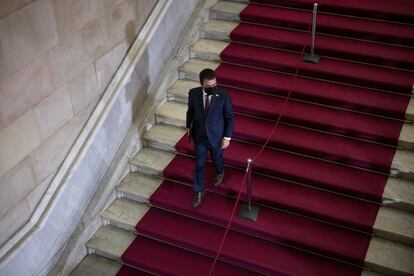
381	254
150	161
138	187
124	213
391	223
94	265
218	29
190	69
110	242
389	257
226	10
394	224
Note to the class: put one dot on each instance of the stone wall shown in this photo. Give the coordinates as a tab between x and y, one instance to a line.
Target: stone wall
56	59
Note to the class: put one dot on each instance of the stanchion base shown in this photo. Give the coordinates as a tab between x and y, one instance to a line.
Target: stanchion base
313	59
246	214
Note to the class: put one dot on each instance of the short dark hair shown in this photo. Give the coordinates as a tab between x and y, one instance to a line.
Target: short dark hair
207	74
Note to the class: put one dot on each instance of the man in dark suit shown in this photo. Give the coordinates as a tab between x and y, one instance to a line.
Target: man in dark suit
210	126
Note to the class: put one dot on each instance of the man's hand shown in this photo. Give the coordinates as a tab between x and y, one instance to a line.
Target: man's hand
189	136
225	143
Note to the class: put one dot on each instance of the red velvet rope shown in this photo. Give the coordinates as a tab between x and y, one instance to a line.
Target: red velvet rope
256	156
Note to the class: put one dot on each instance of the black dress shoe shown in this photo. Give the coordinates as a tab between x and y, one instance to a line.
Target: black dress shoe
218	179
197	199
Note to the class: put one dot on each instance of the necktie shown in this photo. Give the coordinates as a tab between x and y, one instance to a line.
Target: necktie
206	104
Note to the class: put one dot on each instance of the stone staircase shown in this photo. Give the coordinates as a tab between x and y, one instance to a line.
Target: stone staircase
391	249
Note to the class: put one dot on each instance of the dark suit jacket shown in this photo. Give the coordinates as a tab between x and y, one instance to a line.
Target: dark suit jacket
217	123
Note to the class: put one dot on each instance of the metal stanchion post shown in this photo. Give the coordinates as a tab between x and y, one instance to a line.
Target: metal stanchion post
248	211
312	57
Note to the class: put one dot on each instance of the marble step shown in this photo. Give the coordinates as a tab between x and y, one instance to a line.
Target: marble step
110	242
399	192
190	70
227	10
127	213
94	265
209	50
391	223
383	256
218	29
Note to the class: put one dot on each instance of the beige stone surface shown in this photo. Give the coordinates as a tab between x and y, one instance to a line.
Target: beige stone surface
227	10
9	6
34	197
151	161
142	10
13	220
108	5
125	213
107	65
164	136
395	224
399	193
16	185
24	89
208	49
93	265
409	113
53	112
73	15
406	139
50	154
28	33
179	89
111	241
75	54
370	273
192	67
389	257
139	187
403	163
3	69
83	89
172	113
14	142
118	25
218	29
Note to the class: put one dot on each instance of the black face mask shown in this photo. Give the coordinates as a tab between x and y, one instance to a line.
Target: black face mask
210	90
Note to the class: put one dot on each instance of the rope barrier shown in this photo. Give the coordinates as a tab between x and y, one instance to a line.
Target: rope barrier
257	156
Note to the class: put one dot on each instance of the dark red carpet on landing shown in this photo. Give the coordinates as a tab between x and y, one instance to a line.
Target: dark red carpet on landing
332	149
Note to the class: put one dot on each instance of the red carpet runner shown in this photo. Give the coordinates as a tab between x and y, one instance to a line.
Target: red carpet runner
335	139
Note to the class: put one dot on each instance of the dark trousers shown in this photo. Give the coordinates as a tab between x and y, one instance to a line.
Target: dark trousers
201	149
